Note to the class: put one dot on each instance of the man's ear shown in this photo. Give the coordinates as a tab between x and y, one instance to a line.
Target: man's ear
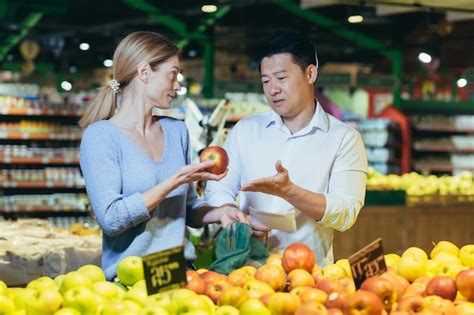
311	73
143	71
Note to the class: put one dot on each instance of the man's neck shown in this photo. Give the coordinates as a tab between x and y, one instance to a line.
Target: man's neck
301	120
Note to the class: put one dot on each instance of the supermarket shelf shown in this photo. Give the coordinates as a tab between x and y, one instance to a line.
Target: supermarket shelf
441	128
38	160
442	148
40	112
56	208
437	107
37	136
39	185
439	167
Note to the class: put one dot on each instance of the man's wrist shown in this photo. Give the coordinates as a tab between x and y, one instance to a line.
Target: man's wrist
292	193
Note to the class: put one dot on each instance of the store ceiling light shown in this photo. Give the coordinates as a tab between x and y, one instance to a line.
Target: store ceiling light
73	69
209	8
355	18
108	63
84	46
66	86
424	57
182	91
192	53
461	82
180	77
10	57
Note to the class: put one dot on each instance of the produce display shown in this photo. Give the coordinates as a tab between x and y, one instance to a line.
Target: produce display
441	282
417	185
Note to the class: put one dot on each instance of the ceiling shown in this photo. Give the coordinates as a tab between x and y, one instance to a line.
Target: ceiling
446	28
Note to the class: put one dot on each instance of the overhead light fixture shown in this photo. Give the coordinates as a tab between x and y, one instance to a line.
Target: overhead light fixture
180	77
84	46
66	86
461	82
182	91
108	63
209	8
424	57
355	18
192	53
10	57
72	69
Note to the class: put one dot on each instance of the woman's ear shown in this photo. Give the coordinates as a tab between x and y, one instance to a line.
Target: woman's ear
312	73
143	71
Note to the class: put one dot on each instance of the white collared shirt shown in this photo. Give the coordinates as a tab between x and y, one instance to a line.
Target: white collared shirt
326	157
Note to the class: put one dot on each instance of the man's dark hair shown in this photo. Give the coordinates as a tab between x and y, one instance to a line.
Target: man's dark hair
285	41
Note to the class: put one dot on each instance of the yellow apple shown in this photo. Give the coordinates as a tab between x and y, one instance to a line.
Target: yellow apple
447	259
42	283
130	270
59	280
82	299
444	246
3	288
106	289
282	303
227	310
344	263
391	261
153	310
6	305
136	295
334	270
163	300
433	268
466	255
411	267
415	252
256	288
114	307
46	301
453	270
253	307
92	272
67	311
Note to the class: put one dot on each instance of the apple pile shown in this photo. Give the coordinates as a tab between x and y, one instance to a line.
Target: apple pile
419	185
288	283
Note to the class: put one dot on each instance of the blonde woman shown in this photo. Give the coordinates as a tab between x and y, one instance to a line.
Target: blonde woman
136	167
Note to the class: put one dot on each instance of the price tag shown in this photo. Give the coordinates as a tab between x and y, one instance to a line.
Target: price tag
367	262
165	270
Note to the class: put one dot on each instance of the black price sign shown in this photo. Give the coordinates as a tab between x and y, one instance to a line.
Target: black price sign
165	270
367	262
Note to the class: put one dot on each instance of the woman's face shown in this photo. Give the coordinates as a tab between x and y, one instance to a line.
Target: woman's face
163	83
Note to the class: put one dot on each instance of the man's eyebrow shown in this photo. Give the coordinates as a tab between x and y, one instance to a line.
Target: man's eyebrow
274	73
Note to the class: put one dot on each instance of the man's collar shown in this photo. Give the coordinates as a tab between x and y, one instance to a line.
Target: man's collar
319	120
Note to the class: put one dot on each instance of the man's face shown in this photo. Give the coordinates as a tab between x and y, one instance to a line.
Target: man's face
286	86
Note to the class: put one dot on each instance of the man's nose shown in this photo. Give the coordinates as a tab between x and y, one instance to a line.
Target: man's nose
275	89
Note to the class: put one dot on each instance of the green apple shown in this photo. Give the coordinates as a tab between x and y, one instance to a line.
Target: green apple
114	307
153	310
67	311
444	246
92	272
42	283
163	300
227	310
44	302
22	295
141	284
59	280
253	307
193	303
130	270
466	255
7	306
132	306
82	299
75	279
136	295
106	289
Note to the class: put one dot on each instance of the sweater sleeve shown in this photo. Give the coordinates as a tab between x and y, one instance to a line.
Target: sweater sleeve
100	165
192	200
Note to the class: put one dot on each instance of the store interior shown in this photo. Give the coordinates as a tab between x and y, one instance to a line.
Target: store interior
400	72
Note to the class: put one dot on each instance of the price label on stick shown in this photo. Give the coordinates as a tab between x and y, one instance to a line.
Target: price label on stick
165	270
367	262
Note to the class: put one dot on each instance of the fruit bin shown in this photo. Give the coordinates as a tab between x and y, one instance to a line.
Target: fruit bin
440	281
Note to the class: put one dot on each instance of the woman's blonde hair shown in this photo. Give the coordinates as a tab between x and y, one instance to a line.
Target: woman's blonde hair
133	49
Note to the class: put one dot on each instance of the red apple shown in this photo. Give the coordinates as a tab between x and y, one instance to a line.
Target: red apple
211	276
233	296
218	155
399	283
442	286
239	276
383	288
300	278
298	256
336	300
329	284
363	302
194	282
214	289
335	311
465	283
